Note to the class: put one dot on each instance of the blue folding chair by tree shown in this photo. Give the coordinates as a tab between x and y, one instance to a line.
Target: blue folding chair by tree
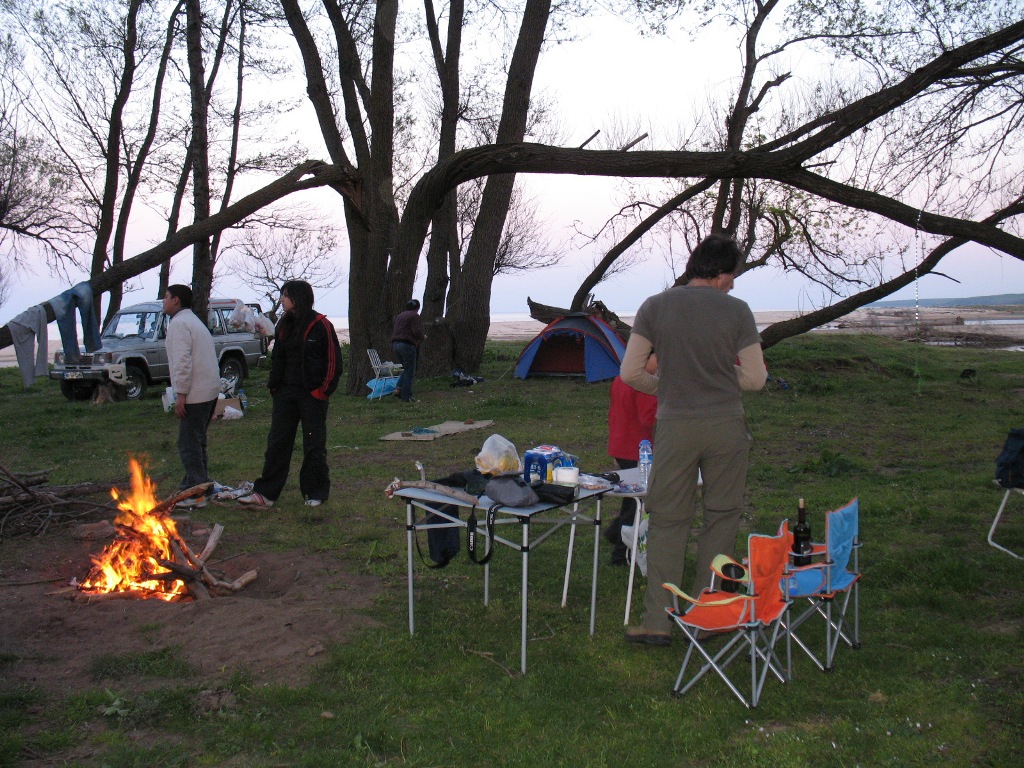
385	376
751	617
828	589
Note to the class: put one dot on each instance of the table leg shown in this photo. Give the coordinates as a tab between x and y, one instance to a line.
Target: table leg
409	545
992	530
637	517
568	555
526	580
597	555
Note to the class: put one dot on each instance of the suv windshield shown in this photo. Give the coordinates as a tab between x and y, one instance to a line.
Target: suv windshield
142	324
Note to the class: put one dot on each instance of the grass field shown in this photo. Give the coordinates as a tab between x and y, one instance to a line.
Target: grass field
939	678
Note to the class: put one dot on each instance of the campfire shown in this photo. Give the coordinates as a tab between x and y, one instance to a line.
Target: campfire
149	559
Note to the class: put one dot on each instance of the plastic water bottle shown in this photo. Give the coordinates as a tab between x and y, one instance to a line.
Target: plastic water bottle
242	399
646	460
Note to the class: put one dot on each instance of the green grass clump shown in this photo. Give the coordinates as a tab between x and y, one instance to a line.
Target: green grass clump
938	679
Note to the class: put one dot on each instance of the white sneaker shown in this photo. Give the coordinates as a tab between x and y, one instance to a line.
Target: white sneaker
195	503
313	502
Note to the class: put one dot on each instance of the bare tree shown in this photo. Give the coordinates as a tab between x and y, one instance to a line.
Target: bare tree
524	245
268	257
804	158
32	182
918	149
356	80
107	86
5	283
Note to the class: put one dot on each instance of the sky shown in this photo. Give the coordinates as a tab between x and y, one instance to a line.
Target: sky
608	74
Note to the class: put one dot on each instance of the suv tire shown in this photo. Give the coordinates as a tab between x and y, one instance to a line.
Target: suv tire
135	389
231	368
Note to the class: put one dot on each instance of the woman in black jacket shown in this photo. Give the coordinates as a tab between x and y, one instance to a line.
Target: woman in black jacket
304	371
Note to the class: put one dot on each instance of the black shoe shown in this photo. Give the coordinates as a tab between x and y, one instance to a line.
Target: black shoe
619	554
641	636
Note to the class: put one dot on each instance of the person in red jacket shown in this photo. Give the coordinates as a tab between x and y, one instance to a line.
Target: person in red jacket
304	371
631	417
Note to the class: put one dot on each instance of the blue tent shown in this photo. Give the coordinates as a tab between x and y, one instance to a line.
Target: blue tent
576	344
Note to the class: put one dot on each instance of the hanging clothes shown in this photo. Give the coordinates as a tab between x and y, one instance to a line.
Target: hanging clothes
28	329
79	296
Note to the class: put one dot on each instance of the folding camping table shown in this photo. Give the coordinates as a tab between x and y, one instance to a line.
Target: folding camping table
567	514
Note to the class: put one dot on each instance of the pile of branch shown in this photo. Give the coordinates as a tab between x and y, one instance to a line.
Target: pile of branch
186	565
29	506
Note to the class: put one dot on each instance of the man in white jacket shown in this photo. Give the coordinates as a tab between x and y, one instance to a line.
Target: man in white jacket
195	379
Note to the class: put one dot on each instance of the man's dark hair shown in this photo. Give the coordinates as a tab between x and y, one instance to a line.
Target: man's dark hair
414	304
182	293
715	255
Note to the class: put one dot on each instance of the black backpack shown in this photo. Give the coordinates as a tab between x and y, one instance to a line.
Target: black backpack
1010	463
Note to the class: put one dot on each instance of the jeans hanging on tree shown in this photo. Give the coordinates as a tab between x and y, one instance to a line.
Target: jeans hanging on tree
28	333
64	309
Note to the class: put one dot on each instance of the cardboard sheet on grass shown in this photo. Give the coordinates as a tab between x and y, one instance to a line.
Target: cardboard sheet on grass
438	430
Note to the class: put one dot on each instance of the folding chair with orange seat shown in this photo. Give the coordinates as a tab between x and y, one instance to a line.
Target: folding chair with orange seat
750	617
830	586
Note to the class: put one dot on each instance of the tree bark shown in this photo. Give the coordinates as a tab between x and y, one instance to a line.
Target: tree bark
539	158
202	261
443	252
112	150
469	306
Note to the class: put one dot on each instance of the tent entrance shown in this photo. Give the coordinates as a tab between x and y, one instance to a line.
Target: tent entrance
559	356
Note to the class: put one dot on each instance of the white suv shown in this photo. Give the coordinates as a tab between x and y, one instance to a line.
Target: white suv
134	353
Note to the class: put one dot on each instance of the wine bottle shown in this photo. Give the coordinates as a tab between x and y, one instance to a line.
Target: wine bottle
801	538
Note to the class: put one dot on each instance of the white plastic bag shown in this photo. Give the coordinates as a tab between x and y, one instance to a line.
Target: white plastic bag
264	325
242	318
498	457
641	553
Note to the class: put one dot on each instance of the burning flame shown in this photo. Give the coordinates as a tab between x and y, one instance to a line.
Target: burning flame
145	539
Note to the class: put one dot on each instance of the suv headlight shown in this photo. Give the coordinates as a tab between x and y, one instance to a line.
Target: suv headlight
101	358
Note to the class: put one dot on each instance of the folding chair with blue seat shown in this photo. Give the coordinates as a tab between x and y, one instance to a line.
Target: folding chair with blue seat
385	376
752	615
830	586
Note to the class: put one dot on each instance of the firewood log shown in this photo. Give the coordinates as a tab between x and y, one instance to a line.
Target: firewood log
454	493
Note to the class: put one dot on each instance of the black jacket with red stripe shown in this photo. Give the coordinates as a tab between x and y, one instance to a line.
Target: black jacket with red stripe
321	360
